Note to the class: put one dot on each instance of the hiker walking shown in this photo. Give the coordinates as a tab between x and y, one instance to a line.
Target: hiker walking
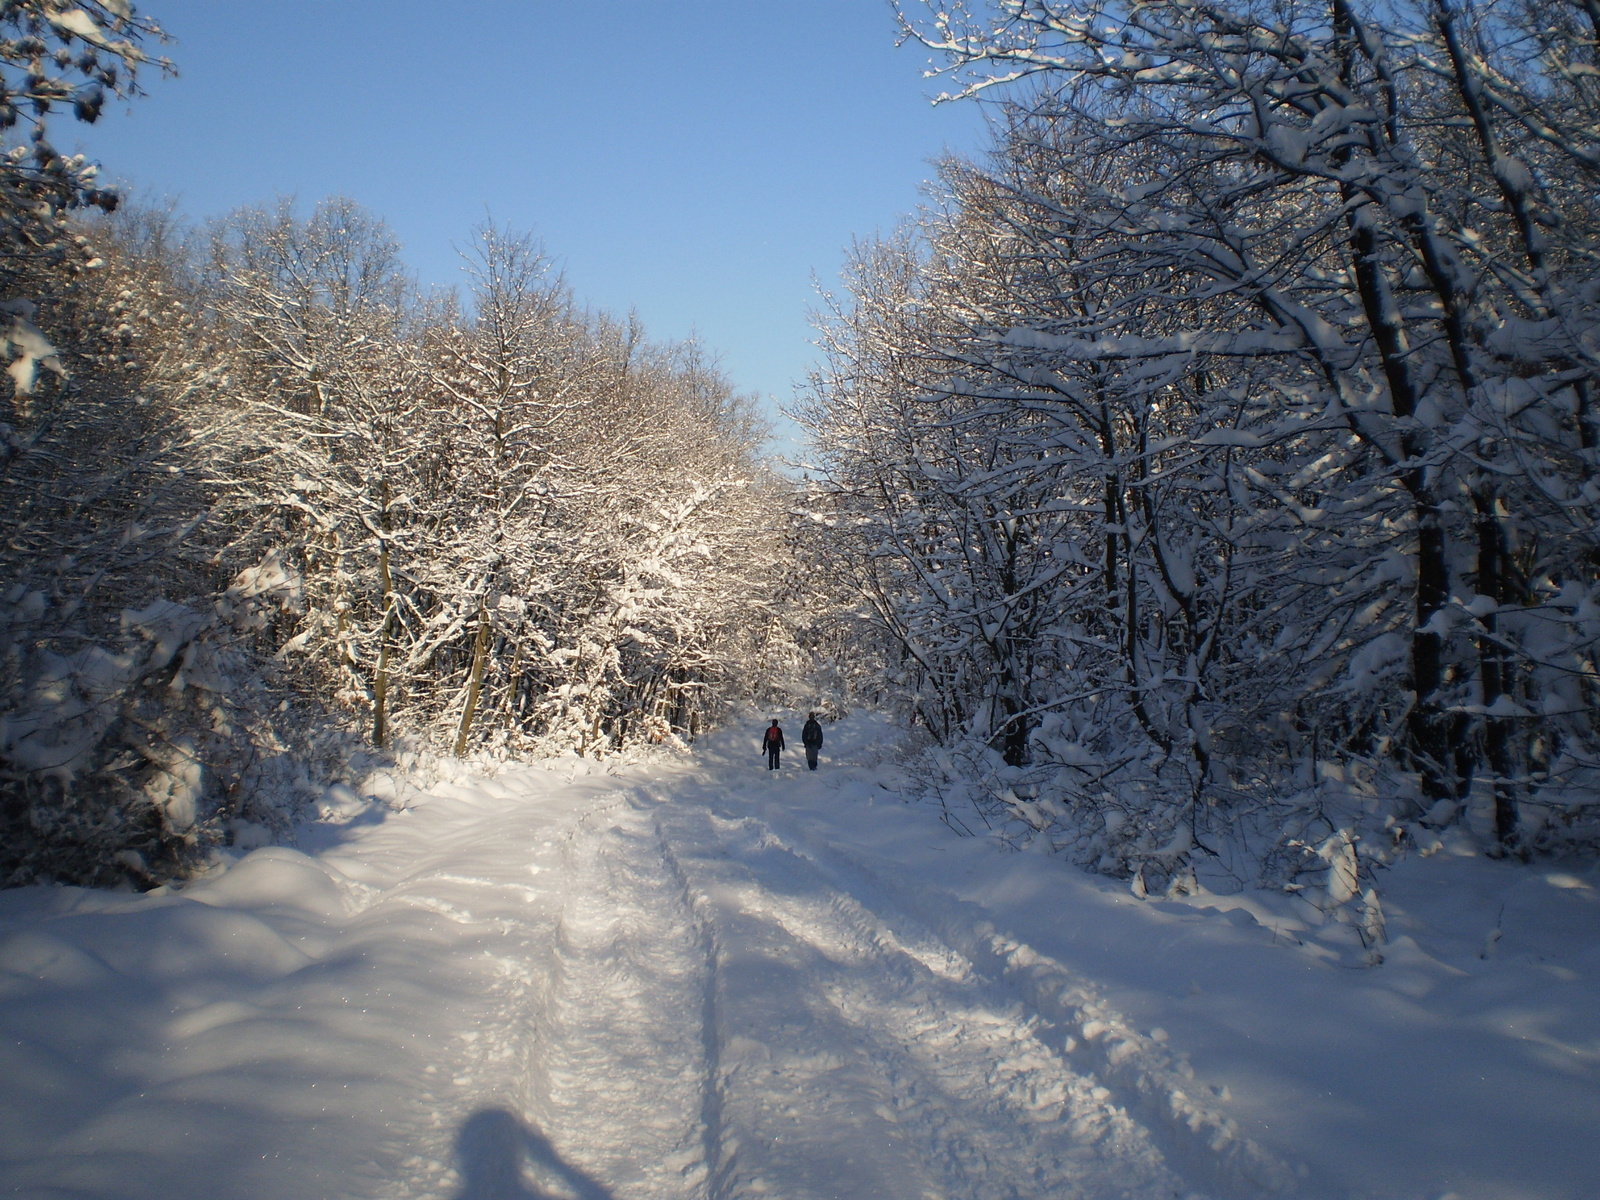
772	744
811	739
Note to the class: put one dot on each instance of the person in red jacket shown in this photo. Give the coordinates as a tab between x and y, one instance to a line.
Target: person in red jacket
772	744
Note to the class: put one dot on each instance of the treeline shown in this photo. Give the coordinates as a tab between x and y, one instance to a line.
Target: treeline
1221	452
527	524
261	495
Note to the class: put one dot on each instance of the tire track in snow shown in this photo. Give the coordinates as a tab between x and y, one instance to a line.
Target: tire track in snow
857	1055
716	1158
622	1082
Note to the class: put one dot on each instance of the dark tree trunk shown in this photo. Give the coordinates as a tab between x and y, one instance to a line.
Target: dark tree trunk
1493	663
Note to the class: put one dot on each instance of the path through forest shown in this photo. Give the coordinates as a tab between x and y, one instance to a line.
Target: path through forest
695	979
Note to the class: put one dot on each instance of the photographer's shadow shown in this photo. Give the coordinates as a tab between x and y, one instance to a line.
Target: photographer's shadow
503	1158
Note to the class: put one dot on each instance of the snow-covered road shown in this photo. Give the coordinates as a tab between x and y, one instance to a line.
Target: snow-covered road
694	979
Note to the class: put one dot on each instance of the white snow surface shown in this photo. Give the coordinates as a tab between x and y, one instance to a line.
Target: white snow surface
694	978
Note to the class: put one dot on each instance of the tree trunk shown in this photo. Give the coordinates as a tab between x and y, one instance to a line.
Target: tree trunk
1492	663
1427	724
380	685
480	652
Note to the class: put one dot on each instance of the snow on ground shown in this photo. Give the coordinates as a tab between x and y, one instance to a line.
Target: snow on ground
694	978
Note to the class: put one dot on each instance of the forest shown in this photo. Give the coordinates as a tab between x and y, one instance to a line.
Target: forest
1206	476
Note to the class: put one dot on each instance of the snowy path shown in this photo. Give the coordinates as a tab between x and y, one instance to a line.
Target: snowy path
722	1020
859	1056
695	980
626	1068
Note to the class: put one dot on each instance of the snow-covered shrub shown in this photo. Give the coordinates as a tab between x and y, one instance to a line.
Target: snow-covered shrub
128	759
1326	842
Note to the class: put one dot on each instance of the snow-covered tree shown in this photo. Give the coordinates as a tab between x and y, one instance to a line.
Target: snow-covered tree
1304	290
500	518
138	725
312	312
55	56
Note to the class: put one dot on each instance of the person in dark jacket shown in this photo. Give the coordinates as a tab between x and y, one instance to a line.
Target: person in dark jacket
811	738
772	744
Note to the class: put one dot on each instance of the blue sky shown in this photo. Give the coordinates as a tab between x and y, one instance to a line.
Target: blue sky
696	160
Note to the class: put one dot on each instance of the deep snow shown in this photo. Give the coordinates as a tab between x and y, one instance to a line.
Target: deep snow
693	978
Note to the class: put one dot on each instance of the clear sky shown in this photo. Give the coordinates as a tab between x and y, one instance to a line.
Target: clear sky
696	160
